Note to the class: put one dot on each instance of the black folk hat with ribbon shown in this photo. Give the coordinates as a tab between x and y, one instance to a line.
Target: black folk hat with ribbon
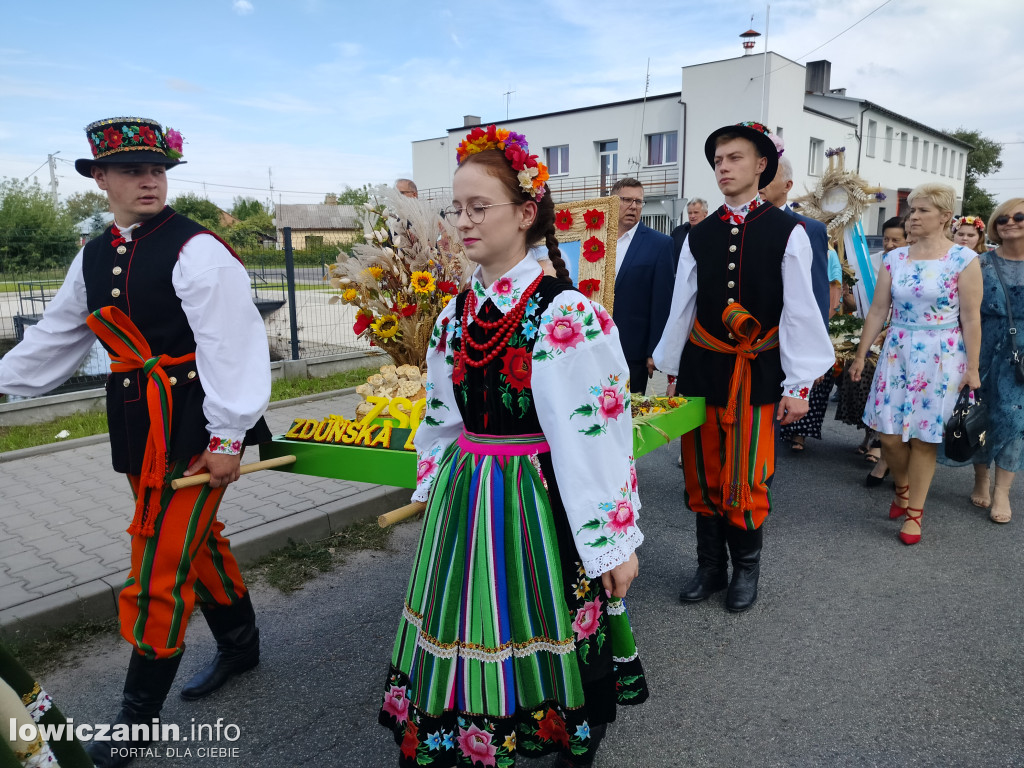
130	140
761	138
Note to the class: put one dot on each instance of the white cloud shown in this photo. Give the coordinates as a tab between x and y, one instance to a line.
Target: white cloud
242	7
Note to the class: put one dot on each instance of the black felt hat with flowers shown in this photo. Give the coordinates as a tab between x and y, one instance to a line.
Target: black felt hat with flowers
130	140
762	139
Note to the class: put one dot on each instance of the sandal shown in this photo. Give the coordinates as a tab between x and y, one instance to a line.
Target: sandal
912	538
1000	515
872	458
796	445
902	492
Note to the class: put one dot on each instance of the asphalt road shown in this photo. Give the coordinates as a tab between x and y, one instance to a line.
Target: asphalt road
860	651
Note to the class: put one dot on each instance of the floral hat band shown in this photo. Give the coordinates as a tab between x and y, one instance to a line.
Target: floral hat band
533	174
130	140
970	221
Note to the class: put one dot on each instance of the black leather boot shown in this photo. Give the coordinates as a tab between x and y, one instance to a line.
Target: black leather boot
597	733
745	549
712	573
145	689
238	647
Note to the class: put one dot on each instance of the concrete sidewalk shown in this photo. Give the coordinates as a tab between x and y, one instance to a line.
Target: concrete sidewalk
64	553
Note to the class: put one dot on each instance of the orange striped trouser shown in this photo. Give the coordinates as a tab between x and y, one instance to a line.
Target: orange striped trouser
704	461
187	559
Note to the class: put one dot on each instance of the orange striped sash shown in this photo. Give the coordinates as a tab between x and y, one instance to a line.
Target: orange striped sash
129	351
746	330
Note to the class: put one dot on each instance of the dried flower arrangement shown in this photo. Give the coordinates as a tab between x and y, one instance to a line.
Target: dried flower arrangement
411	265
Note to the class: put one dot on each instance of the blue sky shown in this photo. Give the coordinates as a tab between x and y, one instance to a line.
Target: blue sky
332	93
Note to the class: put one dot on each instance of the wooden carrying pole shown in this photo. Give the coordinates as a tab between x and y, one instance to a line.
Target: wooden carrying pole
188	482
402	513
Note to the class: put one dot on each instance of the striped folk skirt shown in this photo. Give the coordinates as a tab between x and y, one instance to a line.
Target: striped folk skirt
505	648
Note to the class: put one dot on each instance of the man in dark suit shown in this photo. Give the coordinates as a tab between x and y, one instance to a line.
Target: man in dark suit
644	275
777	193
696	212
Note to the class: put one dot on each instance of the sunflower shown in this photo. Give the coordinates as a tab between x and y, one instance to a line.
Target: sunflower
376	272
386	327
349	295
422	282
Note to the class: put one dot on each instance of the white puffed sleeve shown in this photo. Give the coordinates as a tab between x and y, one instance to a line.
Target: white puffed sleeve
580	383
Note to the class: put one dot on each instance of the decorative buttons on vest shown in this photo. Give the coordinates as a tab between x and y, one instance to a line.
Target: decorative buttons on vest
732	249
127	382
735	230
732	283
731	336
116	292
117	270
191	374
122	250
732	265
730	301
173	380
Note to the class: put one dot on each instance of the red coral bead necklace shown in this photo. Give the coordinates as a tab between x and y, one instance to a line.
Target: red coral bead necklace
504	328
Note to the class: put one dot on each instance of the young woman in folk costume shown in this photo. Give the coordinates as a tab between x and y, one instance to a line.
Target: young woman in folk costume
514	640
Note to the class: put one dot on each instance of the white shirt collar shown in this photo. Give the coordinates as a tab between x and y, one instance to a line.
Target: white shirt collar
745	208
627	236
126	232
507	289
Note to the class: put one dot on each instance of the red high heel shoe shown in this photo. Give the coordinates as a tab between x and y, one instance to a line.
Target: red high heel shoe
912	538
895	510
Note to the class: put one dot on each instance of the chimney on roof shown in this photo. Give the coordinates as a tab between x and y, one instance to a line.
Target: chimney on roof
330	199
818	76
470	121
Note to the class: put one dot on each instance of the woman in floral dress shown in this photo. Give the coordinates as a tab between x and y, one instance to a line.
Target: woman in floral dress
514	640
931	350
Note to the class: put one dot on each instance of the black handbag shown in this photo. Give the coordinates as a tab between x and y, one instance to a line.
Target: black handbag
966	428
1016	357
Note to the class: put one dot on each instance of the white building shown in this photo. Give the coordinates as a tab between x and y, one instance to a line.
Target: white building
660	139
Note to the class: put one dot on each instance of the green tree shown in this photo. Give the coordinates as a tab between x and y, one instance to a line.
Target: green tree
250	232
984	160
200	210
246	207
34	234
84	205
356	196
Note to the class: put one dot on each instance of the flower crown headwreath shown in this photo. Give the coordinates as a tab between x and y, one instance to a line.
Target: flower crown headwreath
532	173
971	221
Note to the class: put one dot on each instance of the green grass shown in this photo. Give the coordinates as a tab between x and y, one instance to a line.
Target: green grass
289	568
95	422
41	651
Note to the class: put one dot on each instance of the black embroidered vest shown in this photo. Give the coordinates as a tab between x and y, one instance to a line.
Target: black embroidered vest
742	262
138	282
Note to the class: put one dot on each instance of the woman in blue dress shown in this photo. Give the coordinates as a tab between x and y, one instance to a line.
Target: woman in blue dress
931	351
1004	394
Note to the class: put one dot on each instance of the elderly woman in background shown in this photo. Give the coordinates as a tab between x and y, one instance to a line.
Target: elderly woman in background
931	352
970	231
1004	442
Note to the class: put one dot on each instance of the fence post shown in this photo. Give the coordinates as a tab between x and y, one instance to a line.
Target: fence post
289	268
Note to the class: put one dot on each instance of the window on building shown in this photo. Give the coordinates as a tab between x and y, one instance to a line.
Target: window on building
924	154
778	131
557	159
816	157
960	167
904	141
871	136
881	220
945	153
935	158
887	149
661	148
609	164
314	243
913	152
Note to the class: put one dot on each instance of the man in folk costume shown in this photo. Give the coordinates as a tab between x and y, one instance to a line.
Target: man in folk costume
744	332
190	381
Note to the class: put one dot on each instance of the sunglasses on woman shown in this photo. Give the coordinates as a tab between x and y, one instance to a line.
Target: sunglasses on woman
1004	220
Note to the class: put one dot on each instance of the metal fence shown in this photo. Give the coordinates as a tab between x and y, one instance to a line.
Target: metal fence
294	304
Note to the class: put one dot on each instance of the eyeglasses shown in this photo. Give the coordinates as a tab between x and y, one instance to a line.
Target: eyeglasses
629	202
475	212
1018	217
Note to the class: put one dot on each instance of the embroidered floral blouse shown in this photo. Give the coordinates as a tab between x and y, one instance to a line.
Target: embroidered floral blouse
566	365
